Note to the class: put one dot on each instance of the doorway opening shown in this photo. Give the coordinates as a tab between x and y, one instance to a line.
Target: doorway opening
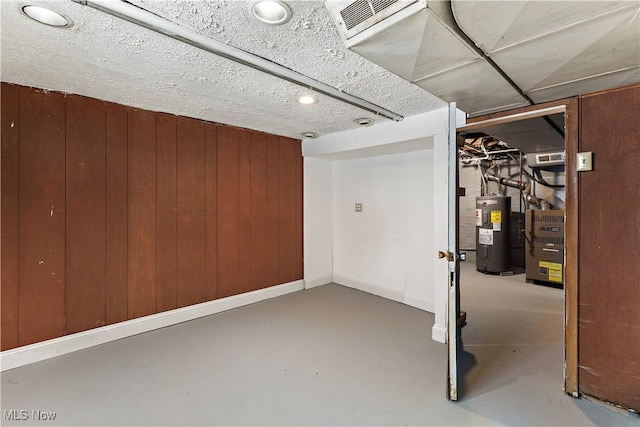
517	219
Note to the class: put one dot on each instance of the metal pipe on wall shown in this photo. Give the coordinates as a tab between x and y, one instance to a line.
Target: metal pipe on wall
144	18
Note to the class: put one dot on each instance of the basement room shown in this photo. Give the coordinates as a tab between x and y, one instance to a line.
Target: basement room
308	212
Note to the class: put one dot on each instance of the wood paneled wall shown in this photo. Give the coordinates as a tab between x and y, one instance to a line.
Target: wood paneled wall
111	213
609	248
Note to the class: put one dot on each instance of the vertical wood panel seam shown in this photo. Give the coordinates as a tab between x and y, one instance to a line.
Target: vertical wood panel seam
128	118
206	215
155	278
215	224
237	280
20	90
126	222
19	225
215	220
250	273
204	206
106	207
66	213
128	115
174	295
156	231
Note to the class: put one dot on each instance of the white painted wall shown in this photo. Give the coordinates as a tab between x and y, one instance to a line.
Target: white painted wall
318	246
399	173
386	249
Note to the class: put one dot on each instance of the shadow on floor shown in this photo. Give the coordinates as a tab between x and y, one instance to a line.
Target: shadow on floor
466	362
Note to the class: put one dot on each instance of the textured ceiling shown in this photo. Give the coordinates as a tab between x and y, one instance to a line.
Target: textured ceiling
105	57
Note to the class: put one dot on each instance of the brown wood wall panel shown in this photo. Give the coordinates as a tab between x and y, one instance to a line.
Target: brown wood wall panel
42	216
9	222
273	211
167	213
244	212
227	211
191	212
116	292
286	206
85	214
111	213
211	250
141	213
609	271
258	211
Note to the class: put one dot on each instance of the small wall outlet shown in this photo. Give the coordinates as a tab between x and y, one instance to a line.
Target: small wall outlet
358	207
584	161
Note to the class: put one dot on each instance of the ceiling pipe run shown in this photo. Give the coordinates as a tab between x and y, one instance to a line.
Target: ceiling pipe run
142	17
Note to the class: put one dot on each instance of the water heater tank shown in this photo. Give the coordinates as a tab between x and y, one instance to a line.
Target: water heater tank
492	234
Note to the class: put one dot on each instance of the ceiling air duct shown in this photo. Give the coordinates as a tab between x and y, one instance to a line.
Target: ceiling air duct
354	17
421	42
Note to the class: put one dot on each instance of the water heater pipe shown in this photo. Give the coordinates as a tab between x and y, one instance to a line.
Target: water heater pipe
523	186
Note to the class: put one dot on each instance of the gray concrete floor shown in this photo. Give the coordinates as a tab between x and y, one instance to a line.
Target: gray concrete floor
325	356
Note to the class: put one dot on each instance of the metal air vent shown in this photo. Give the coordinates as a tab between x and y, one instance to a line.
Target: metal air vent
356	13
542	160
353	17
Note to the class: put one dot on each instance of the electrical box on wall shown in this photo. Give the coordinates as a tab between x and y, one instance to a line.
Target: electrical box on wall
584	161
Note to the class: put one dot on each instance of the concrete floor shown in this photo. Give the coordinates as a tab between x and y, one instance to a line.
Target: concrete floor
326	356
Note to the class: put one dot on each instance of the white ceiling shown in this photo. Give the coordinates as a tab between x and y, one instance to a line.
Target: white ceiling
104	57
549	49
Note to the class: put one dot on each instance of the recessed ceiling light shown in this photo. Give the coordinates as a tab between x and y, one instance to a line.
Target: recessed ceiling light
271	12
307	100
364	121
46	16
309	135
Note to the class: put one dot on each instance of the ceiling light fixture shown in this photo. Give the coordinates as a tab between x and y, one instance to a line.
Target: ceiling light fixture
307	100
310	135
365	121
144	18
46	16
271	12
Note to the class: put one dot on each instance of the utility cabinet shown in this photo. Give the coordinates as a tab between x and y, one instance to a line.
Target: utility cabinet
544	234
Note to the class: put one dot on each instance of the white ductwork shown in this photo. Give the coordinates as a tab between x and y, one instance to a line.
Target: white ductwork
557	49
491	56
422	44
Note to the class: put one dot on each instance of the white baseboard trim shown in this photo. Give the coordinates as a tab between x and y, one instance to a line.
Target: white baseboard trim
420	303
37	352
318	281
370	288
439	333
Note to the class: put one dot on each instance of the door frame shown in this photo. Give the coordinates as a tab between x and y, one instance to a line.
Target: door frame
570	106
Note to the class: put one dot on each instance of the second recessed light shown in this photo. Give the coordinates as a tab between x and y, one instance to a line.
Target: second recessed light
364	121
270	12
307	100
46	16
